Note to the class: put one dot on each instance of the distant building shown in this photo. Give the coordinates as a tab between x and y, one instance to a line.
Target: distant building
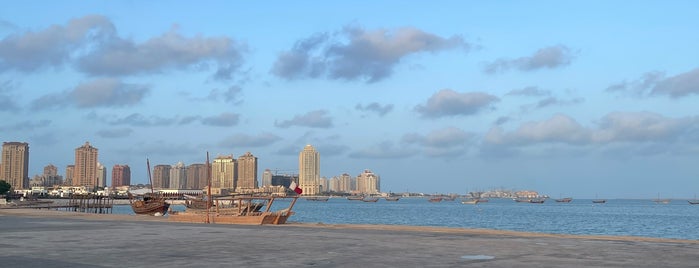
347	183
283	180
368	182
223	171
247	173
101	175
121	175
50	170
70	170
178	176
49	178
161	176
196	175
85	173
15	164
309	170
323	185
267	178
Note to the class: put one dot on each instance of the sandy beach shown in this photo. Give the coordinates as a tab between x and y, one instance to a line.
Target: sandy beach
73	239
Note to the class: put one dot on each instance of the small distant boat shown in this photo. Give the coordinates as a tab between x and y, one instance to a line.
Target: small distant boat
537	201
472	201
370	199
599	201
530	200
564	200
449	198
355	197
317	198
435	199
392	198
662	201
694	201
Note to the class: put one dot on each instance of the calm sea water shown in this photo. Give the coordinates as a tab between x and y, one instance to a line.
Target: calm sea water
677	219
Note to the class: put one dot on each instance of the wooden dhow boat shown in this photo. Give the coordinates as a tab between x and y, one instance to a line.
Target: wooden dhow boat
236	209
247	212
564	200
370	199
149	203
471	201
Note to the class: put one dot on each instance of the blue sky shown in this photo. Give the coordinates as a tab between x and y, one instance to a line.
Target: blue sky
584	99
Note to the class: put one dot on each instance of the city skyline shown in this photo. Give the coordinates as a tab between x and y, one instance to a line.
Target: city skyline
566	98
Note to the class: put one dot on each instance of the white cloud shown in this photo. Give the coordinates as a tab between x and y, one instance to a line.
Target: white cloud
221	120
356	54
101	92
314	119
548	57
448	102
53	46
658	84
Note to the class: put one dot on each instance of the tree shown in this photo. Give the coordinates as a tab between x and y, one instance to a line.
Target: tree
4	187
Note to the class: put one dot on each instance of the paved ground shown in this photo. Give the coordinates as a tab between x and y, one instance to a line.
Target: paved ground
32	238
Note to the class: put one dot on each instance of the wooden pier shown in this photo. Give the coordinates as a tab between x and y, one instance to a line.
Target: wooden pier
88	203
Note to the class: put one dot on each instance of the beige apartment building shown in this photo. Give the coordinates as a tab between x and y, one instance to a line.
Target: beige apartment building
14	168
309	170
223	171
247	173
85	173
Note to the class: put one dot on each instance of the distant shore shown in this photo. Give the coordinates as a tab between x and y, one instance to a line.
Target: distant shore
39	213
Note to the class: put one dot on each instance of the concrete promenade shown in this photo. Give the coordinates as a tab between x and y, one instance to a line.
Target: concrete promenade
40	238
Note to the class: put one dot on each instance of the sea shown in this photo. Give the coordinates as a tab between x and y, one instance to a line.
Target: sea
617	217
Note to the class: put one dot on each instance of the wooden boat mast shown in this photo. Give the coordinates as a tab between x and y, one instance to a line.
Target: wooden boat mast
150	180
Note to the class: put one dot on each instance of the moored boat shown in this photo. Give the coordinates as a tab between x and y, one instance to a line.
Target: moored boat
435	199
392	198
599	201
662	201
150	203
530	200
472	201
317	198
355	197
693	202
564	200
241	214
370	199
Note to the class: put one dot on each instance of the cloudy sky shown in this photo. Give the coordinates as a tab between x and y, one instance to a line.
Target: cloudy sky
595	98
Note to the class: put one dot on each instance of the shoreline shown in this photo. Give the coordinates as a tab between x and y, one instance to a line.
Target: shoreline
48	213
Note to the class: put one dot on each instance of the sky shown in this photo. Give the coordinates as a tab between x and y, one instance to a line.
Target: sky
569	98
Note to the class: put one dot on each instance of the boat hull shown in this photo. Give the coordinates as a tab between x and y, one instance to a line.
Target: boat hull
258	218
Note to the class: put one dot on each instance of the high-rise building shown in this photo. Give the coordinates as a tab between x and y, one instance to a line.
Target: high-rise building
267	178
309	170
368	182
161	176
70	170
223	171
15	164
323	184
247	172
178	176
50	176
121	175
85	173
50	170
346	183
196	174
101	175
